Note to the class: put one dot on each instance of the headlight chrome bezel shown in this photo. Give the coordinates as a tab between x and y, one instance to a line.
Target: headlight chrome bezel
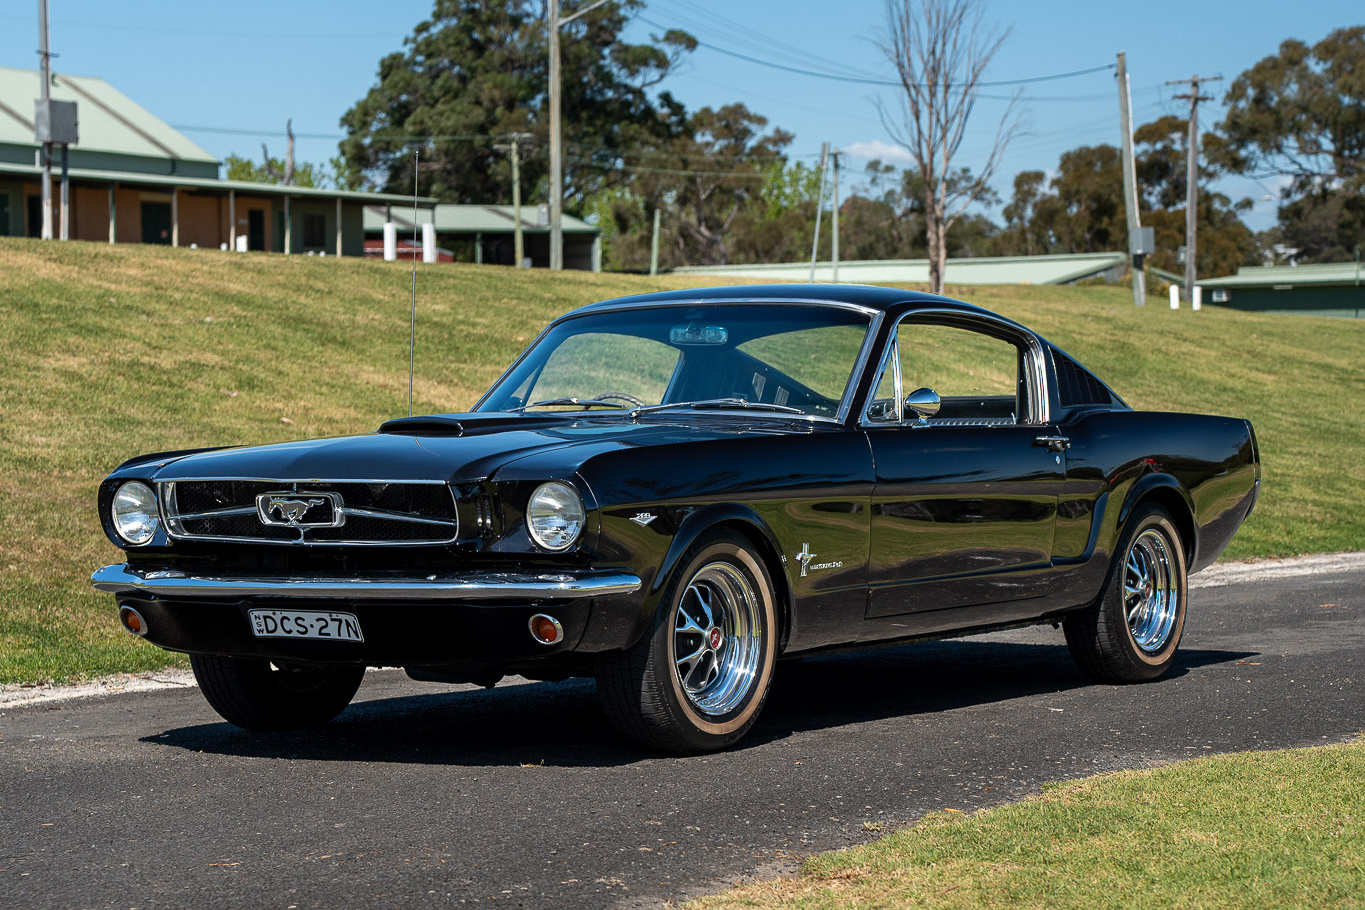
562	516
134	513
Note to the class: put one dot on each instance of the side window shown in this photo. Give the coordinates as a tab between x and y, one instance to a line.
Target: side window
975	375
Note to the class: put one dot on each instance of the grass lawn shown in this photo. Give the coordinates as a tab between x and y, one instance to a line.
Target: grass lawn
107	352
1260	830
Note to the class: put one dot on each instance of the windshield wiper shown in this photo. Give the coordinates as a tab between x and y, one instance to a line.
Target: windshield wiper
576	402
718	403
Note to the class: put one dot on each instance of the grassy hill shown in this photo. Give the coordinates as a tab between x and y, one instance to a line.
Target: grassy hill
107	352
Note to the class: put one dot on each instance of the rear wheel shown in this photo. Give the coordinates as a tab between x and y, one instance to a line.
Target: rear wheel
1133	631
698	680
258	695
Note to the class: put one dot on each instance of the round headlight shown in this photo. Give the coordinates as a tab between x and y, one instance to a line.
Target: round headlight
135	515
555	515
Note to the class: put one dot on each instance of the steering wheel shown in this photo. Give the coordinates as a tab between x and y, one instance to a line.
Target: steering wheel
621	395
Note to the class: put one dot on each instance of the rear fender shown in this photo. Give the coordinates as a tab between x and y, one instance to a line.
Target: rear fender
1171	495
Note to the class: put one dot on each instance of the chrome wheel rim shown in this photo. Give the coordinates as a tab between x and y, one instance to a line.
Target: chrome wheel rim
717	638
1151	590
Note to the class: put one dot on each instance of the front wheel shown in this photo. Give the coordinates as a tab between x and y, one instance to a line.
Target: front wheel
697	681
1132	632
257	695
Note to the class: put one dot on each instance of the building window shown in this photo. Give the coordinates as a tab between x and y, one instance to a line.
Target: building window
314	231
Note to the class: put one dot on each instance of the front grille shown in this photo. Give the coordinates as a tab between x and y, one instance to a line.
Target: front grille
394	513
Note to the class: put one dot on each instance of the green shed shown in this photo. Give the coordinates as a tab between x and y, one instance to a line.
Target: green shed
1329	289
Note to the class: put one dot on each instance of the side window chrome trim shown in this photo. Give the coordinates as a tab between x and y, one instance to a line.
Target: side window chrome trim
1039	408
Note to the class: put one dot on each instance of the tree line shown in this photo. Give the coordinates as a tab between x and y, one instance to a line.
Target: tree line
729	192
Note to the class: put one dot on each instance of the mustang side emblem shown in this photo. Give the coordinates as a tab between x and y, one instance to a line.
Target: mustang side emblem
290	509
806	556
643	518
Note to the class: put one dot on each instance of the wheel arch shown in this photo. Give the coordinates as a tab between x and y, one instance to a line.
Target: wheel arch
747	523
1165	491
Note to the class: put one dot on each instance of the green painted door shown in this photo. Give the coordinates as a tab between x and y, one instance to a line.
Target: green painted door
156	222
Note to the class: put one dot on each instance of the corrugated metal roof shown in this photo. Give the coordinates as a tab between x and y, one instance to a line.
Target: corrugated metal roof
110	121
465	219
1057	269
1289	275
128	178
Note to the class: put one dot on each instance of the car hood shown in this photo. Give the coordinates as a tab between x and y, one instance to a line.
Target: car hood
456	448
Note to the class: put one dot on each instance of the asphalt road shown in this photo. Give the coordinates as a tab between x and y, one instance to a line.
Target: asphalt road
423	796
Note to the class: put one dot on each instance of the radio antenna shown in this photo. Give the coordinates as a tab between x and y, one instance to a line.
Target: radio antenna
412	316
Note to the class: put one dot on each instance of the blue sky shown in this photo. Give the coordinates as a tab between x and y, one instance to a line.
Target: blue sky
229	76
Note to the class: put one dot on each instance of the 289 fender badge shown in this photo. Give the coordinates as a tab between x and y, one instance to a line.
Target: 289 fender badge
643	518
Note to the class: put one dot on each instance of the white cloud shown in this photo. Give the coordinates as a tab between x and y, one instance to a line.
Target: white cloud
881	151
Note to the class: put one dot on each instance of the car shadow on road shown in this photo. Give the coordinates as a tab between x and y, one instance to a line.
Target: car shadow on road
560	724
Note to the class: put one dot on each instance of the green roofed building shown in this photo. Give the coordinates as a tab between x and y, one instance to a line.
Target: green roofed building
135	179
485	234
1065	268
1329	289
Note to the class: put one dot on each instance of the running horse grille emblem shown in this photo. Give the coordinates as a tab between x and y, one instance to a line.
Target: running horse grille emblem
305	509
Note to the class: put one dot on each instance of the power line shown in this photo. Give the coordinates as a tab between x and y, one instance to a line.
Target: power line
747	35
886	82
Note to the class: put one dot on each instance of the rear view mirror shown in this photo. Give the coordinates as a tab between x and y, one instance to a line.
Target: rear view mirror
698	334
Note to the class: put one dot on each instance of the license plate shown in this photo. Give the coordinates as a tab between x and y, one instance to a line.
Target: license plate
305	624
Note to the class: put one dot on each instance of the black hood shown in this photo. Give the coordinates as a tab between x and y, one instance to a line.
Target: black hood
457	448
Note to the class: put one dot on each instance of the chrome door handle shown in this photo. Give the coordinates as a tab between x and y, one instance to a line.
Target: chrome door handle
1055	443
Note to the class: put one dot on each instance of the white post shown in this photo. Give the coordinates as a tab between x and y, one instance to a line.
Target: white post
1175	296
1197	301
66	193
428	242
390	241
175	216
232	219
113	212
288	228
338	225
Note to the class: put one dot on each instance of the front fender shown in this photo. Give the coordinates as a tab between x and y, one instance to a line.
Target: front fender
614	627
697	523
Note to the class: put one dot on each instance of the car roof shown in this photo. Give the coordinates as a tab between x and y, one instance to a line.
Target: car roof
873	298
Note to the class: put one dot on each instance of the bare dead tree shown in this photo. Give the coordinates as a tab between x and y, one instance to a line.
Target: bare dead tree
940	49
287	178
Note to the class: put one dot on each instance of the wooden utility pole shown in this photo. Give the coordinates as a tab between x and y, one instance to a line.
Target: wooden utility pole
556	129
512	147
1192	177
1136	250
834	242
819	207
654	246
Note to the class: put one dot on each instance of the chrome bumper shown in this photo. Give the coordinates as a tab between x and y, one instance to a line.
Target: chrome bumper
476	587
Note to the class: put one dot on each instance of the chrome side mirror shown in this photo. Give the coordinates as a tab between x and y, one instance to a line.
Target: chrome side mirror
923	403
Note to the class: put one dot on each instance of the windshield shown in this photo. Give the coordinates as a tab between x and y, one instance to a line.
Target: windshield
788	358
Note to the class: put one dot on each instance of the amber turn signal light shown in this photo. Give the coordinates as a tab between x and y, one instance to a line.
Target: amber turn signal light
132	621
546	629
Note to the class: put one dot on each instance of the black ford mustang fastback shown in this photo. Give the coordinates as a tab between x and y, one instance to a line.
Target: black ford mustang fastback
672	491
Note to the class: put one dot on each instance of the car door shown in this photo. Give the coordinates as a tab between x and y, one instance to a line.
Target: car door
965	498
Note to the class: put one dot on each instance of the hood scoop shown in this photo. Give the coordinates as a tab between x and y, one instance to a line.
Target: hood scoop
467	424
